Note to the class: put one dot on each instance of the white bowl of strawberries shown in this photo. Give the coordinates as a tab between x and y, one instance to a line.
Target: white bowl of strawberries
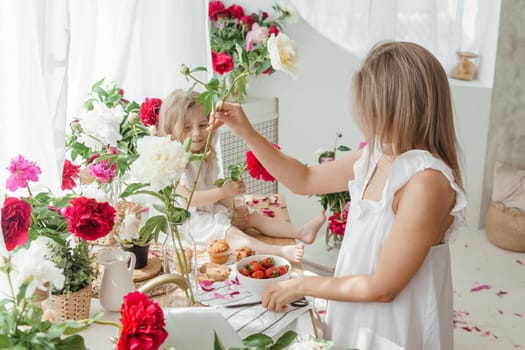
257	272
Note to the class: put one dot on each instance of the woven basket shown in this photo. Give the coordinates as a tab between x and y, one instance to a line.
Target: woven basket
506	227
74	306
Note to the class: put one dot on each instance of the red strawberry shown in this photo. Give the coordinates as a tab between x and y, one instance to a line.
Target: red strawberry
255	266
267	262
283	269
271	272
258	275
244	272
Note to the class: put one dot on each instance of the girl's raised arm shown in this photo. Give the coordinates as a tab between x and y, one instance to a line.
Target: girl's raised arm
299	178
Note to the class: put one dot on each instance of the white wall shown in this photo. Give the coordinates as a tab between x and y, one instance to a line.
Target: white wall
316	106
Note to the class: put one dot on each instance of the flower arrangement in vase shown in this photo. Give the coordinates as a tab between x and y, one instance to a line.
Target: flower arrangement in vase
46	251
336	203
242	43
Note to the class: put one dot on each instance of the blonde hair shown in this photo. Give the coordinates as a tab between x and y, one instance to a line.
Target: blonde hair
173	113
402	99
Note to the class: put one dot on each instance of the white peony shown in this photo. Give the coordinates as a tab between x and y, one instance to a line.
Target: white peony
283	54
101	126
33	266
129	229
161	161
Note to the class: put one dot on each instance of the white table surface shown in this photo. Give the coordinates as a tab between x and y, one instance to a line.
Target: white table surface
97	336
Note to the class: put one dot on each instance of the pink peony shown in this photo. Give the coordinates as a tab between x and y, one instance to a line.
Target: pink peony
255	168
22	171
216	9
236	11
102	171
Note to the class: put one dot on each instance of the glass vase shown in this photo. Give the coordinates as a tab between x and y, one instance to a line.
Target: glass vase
184	253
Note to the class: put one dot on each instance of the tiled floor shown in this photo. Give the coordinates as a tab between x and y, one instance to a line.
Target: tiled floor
489	291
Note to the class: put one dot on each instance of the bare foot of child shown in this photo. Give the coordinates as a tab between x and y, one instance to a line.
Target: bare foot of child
308	231
293	253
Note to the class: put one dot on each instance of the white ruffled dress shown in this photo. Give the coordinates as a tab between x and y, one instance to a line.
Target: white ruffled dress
207	222
420	317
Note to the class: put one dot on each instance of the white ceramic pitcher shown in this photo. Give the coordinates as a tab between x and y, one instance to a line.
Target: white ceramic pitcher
117	280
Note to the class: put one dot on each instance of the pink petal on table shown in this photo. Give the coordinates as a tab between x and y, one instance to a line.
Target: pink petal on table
274	204
206	285
322	312
234	293
501	293
235	281
273	199
255	201
517	314
500	312
468	329
218	295
519	262
268	212
480	287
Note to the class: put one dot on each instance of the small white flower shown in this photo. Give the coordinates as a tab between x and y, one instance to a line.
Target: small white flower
161	161
283	54
152	130
94	191
101	126
33	266
292	16
129	229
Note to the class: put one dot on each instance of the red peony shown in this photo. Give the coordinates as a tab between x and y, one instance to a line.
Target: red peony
89	219
255	168
69	174
337	224
15	222
149	111
216	9
248	21
221	62
273	30
142	323
236	11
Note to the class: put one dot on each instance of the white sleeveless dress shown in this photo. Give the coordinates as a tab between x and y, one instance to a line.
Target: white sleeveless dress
420	317
210	221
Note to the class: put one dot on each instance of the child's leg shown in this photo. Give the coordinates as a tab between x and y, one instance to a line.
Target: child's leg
236	239
281	228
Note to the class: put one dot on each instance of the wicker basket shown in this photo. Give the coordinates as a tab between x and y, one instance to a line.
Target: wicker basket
74	306
506	227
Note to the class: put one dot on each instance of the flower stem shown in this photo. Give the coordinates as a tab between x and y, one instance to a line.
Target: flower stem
104	322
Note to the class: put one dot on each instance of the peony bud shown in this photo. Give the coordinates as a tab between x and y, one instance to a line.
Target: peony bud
184	69
133	116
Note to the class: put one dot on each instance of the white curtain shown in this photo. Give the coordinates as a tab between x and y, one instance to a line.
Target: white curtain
34	43
442	26
54	50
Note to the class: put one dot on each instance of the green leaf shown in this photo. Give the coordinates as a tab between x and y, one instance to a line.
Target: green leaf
132	189
5	342
219	182
262	67
100	92
258	340
284	340
213	84
73	342
199	69
343	148
97	84
217	345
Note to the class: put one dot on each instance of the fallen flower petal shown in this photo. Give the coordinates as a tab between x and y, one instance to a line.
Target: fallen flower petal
480	287
268	212
207	285
232	294
500	293
235	281
218	295
517	314
519	262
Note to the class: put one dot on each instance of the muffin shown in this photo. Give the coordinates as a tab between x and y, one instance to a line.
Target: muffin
218	250
189	256
242	252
